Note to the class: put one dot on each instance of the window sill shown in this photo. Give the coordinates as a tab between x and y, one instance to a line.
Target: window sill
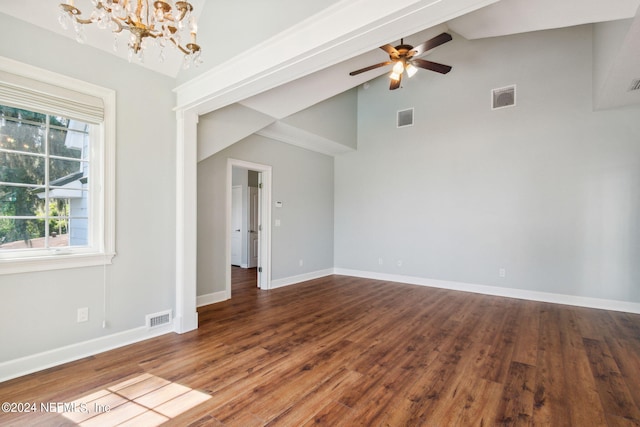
53	262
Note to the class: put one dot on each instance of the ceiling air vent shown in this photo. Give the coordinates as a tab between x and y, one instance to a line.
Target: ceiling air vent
405	118
503	97
635	85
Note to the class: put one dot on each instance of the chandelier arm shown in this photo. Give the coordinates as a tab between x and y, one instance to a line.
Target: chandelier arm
183	50
119	24
184	7
189	49
74	13
82	21
139	10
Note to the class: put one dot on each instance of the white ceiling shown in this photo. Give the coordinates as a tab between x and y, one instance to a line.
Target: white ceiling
521	16
501	18
45	14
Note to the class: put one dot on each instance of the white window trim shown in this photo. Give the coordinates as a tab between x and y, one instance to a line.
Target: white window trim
103	249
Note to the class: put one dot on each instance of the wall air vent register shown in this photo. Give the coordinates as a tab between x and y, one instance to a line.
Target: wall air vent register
503	97
158	319
405	118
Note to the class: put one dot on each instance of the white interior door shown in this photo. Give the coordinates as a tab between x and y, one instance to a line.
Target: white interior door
253	246
236	225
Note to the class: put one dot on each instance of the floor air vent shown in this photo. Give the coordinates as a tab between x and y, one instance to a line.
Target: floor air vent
503	97
158	319
635	85
405	118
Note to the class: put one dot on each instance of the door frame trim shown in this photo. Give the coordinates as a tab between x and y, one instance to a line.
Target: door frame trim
264	257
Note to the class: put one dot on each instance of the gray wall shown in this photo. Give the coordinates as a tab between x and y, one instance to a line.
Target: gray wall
335	118
38	310
548	190
302	180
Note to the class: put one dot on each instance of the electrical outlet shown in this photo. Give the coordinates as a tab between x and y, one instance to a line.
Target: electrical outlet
399	263
502	272
301	263
380	261
83	314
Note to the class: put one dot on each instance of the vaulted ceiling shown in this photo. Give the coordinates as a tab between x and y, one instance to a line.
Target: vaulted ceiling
321	71
502	18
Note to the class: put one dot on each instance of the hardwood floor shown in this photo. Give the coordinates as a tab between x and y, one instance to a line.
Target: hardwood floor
343	351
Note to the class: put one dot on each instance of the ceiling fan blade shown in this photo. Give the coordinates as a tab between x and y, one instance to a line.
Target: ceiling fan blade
430	44
370	67
393	53
432	66
395	84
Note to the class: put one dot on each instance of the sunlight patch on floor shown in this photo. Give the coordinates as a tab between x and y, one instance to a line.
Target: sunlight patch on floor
146	400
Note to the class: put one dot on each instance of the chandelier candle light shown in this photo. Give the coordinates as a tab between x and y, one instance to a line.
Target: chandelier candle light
144	23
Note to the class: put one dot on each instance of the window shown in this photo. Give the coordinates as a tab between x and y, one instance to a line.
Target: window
56	171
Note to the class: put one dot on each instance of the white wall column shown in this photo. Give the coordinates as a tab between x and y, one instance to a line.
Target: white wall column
186	220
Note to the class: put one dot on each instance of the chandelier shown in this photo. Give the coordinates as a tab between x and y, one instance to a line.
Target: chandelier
158	24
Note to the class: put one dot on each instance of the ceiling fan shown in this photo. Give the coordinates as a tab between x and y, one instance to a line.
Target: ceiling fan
404	58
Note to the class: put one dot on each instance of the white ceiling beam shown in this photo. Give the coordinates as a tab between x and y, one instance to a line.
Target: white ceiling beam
347	29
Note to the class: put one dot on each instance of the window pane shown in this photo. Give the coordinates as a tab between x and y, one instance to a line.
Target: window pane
21	136
79	232
17	113
21	201
69	213
58	207
21	168
59	121
62	172
68	143
21	234
79	220
59	223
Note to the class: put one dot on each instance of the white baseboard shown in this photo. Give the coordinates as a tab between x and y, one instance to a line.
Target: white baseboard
37	362
603	304
292	280
211	298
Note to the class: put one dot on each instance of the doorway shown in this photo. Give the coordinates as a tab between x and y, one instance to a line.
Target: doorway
245	219
248	213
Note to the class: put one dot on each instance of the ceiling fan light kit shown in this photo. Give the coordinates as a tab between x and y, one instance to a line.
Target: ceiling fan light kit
159	23
404	58
411	70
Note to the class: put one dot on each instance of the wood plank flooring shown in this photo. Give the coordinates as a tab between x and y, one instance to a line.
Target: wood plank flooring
343	351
